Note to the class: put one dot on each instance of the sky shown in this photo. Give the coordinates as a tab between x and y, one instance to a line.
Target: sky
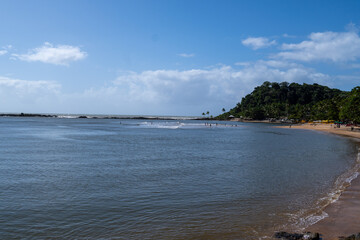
173	57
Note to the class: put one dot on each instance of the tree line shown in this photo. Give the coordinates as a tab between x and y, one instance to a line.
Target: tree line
295	101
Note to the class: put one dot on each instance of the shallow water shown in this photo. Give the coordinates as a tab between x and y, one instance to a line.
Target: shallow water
136	179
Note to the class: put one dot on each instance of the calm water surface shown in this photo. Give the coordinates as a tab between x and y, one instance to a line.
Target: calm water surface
135	179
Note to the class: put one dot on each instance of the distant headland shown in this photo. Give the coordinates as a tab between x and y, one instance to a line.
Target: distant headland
294	102
91	116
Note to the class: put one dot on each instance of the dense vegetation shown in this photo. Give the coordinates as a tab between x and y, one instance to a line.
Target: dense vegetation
298	102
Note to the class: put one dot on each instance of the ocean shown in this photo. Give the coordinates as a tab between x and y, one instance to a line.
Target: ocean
69	178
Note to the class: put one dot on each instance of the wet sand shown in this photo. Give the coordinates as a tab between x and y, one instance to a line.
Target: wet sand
344	214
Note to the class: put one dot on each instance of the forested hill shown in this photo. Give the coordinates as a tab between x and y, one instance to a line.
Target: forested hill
298	102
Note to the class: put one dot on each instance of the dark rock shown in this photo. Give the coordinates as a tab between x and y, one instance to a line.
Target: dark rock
316	236
25	115
312	236
351	237
288	236
297	236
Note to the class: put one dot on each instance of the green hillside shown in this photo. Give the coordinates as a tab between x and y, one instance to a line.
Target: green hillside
298	102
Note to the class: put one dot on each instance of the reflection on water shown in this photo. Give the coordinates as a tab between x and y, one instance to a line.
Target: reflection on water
136	179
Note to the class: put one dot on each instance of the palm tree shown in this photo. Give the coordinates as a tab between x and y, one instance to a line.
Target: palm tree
207	113
223	110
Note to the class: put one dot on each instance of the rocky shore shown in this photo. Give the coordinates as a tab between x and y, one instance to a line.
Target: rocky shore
297	236
25	115
310	236
98	116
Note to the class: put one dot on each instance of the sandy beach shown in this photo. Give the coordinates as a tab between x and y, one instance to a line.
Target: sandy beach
329	128
344	214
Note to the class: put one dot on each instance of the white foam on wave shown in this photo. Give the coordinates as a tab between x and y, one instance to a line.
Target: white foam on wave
309	217
165	125
304	218
343	181
180	125
67	116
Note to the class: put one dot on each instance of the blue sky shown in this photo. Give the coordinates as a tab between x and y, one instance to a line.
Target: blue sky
169	57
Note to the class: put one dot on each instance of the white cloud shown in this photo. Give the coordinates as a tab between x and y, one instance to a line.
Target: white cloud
22	95
175	86
59	55
5	50
352	27
198	88
163	92
186	55
259	42
285	35
28	86
280	64
243	64
324	46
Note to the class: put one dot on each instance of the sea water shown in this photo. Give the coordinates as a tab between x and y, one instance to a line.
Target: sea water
143	179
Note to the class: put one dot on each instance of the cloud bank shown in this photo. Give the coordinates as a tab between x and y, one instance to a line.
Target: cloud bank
184	92
57	55
5	50
324	46
21	95
168	92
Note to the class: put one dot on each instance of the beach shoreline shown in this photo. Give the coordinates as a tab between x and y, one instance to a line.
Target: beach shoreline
328	128
343	214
